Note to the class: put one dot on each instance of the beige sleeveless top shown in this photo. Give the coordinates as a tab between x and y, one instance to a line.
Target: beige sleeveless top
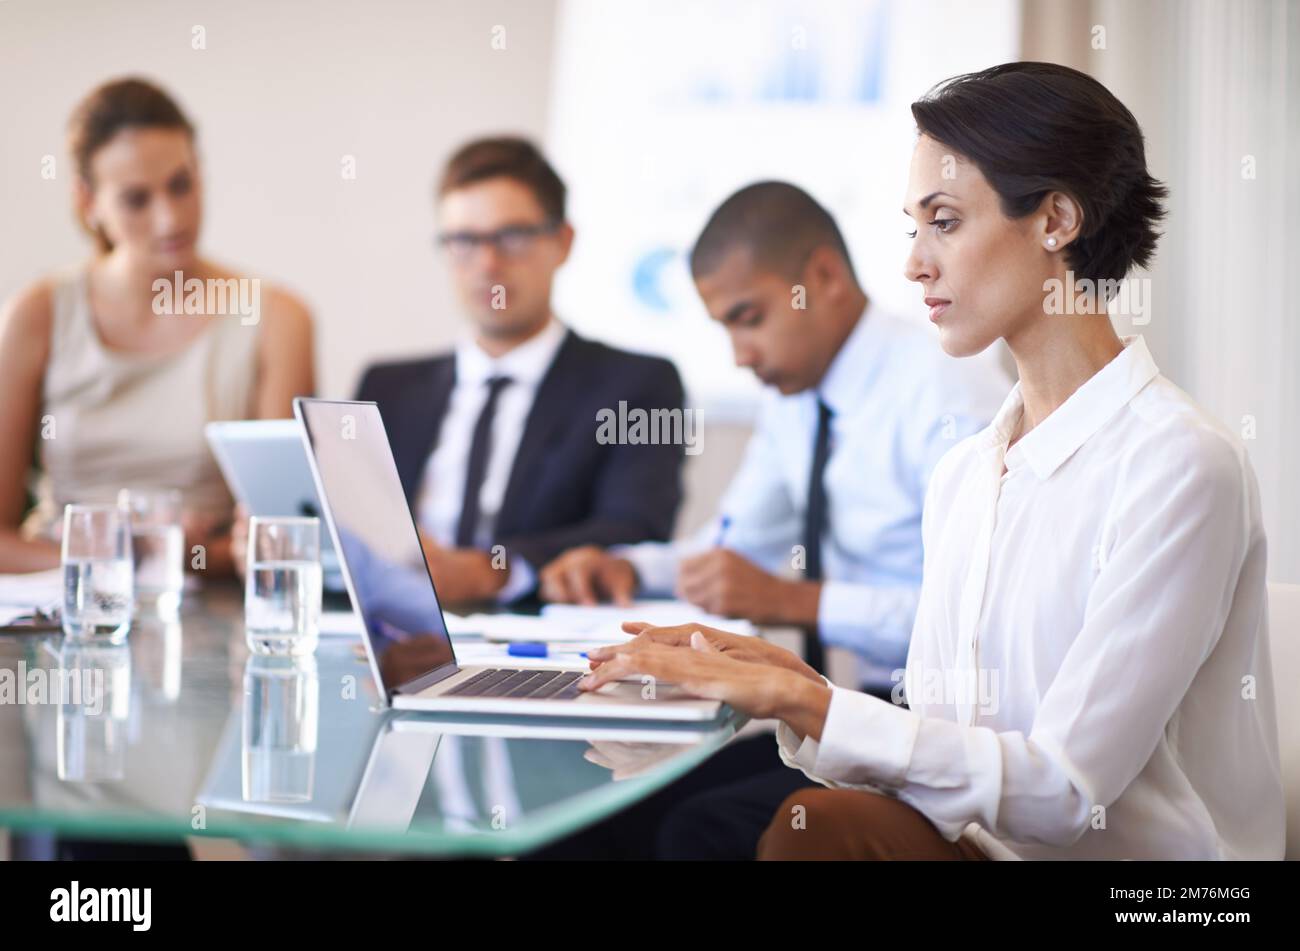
112	420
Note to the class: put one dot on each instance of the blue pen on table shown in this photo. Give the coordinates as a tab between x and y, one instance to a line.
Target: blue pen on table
533	649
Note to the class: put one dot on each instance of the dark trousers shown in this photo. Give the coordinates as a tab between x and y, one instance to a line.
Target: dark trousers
718	811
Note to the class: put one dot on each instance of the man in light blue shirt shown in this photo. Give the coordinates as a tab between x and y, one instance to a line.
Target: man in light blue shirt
772	267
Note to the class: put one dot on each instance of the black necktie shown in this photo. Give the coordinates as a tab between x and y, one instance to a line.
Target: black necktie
476	470
814	524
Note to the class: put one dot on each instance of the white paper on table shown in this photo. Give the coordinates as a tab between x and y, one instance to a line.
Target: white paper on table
22	593
348	622
531	627
657	612
488	654
558	623
493	628
10	613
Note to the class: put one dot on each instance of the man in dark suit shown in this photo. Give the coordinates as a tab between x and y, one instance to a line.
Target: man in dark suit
499	444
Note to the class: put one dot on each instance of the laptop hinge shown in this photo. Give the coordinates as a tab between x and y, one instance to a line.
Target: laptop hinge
425	681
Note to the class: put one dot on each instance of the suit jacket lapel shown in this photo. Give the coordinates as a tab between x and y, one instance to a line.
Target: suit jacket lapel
552	409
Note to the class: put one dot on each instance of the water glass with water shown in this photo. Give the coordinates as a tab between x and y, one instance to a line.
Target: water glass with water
282	594
158	549
97	573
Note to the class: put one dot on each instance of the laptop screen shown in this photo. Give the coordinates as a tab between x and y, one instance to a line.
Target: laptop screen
377	540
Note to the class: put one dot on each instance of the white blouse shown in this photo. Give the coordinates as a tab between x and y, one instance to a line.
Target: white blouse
1089	671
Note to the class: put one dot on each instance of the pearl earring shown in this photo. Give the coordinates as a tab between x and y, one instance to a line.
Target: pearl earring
1051	242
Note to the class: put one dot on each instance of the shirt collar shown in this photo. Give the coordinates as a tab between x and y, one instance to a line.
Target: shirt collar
854	366
1058	437
526	364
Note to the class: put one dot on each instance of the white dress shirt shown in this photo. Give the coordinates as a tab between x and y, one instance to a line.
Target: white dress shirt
899	404
1089	675
441	494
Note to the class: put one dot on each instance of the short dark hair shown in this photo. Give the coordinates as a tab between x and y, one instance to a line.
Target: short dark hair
506	157
1035	128
113	107
778	223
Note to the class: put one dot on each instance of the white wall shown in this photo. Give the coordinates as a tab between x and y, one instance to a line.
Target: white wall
281	93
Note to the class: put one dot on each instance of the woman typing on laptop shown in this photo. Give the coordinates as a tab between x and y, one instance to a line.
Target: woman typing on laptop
111	369
1089	671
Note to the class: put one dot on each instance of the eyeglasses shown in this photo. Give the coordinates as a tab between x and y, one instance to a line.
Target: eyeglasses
513	241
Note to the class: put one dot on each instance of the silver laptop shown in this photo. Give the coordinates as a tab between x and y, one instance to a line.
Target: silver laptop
407	644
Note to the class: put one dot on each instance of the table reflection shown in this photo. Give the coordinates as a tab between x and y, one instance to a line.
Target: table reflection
157	648
280	723
94	710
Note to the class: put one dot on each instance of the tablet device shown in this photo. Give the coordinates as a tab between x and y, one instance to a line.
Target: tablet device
265	466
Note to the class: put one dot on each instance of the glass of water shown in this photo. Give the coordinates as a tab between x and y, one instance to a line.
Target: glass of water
97	576
283	590
157	547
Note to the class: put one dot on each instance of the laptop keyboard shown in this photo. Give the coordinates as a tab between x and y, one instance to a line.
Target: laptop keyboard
520	684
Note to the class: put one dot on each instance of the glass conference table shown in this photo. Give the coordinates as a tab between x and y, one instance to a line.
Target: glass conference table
190	735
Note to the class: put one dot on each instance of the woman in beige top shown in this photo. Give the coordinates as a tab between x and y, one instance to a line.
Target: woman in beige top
109	371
